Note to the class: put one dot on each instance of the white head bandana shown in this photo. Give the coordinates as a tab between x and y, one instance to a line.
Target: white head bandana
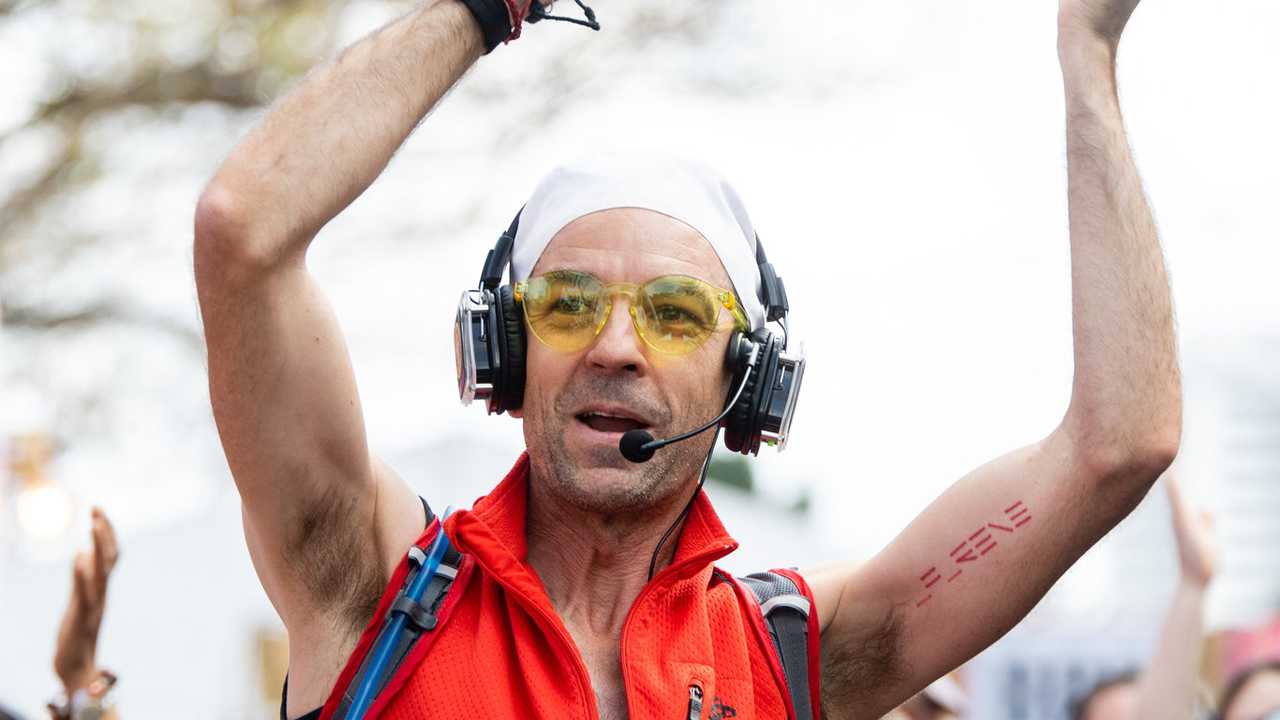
683	190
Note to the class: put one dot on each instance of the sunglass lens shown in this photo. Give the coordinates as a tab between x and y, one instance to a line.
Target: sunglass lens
564	308
676	313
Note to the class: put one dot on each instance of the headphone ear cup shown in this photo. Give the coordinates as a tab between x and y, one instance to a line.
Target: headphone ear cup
737	424
509	329
746	420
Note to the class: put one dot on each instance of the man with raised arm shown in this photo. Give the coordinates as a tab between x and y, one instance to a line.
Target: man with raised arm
633	284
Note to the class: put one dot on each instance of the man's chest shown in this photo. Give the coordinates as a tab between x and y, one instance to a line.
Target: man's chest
695	658
602	658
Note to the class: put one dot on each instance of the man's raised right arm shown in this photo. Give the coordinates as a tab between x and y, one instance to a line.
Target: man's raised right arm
323	518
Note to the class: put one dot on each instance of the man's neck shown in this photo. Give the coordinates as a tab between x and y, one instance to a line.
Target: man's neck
592	565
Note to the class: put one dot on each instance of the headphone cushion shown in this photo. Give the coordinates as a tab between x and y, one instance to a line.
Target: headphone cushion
738	434
511	327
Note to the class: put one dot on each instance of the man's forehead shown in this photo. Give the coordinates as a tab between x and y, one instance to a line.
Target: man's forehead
635	244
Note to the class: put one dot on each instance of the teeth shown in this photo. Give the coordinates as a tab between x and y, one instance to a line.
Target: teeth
602	415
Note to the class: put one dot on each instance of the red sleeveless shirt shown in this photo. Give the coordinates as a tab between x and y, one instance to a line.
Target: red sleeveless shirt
501	651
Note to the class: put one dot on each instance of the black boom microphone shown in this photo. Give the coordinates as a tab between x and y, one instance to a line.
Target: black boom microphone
638	445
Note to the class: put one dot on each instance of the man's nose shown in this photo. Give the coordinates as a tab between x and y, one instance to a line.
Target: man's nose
618	347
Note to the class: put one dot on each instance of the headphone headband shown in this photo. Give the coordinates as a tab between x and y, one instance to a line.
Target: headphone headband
772	292
495	263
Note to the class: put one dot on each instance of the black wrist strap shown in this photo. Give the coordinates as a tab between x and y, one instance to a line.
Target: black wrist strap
495	21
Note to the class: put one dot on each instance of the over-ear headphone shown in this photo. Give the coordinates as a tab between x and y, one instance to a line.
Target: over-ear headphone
490	342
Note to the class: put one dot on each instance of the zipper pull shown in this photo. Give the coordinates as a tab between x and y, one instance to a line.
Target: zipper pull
695	702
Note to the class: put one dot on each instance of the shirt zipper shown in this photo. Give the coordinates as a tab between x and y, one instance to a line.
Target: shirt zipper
654	582
695	702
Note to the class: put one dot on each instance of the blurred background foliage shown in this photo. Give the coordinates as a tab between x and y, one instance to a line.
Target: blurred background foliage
87	173
108	61
113	116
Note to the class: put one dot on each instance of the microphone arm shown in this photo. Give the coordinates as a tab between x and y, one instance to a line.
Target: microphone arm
639	445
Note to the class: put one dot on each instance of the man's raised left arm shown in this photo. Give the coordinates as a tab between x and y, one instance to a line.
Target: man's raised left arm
970	566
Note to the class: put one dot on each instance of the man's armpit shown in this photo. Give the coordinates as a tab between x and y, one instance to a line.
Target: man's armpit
333	552
860	666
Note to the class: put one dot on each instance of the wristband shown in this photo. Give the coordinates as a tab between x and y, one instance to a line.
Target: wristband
500	20
90	703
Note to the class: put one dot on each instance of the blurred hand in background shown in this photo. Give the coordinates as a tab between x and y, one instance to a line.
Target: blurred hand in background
1167	689
75	657
1197	549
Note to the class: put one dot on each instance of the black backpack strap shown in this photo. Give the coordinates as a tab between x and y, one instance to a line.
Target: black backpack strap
786	615
421	617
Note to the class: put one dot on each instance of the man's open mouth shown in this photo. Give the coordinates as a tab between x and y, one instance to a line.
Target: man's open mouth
608	423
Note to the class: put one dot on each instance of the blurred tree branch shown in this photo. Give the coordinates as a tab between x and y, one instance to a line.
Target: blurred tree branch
155	81
159	87
18	206
31	317
8	7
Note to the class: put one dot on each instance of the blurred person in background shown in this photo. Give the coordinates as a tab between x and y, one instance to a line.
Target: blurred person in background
1169	686
1253	694
86	687
562	548
1114	696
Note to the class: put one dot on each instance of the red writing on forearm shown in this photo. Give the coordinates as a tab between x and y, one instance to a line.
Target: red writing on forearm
972	549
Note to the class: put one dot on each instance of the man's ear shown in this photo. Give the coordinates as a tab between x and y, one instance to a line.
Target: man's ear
517	414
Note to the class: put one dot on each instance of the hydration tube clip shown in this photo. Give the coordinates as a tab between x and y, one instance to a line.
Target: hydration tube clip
414	613
416	556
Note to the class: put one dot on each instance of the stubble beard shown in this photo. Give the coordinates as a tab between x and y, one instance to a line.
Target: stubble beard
605	482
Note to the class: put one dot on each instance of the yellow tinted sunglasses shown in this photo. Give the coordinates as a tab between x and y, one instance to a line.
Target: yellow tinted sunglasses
673	314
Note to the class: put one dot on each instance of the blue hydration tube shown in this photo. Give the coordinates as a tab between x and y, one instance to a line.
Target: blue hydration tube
381	654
